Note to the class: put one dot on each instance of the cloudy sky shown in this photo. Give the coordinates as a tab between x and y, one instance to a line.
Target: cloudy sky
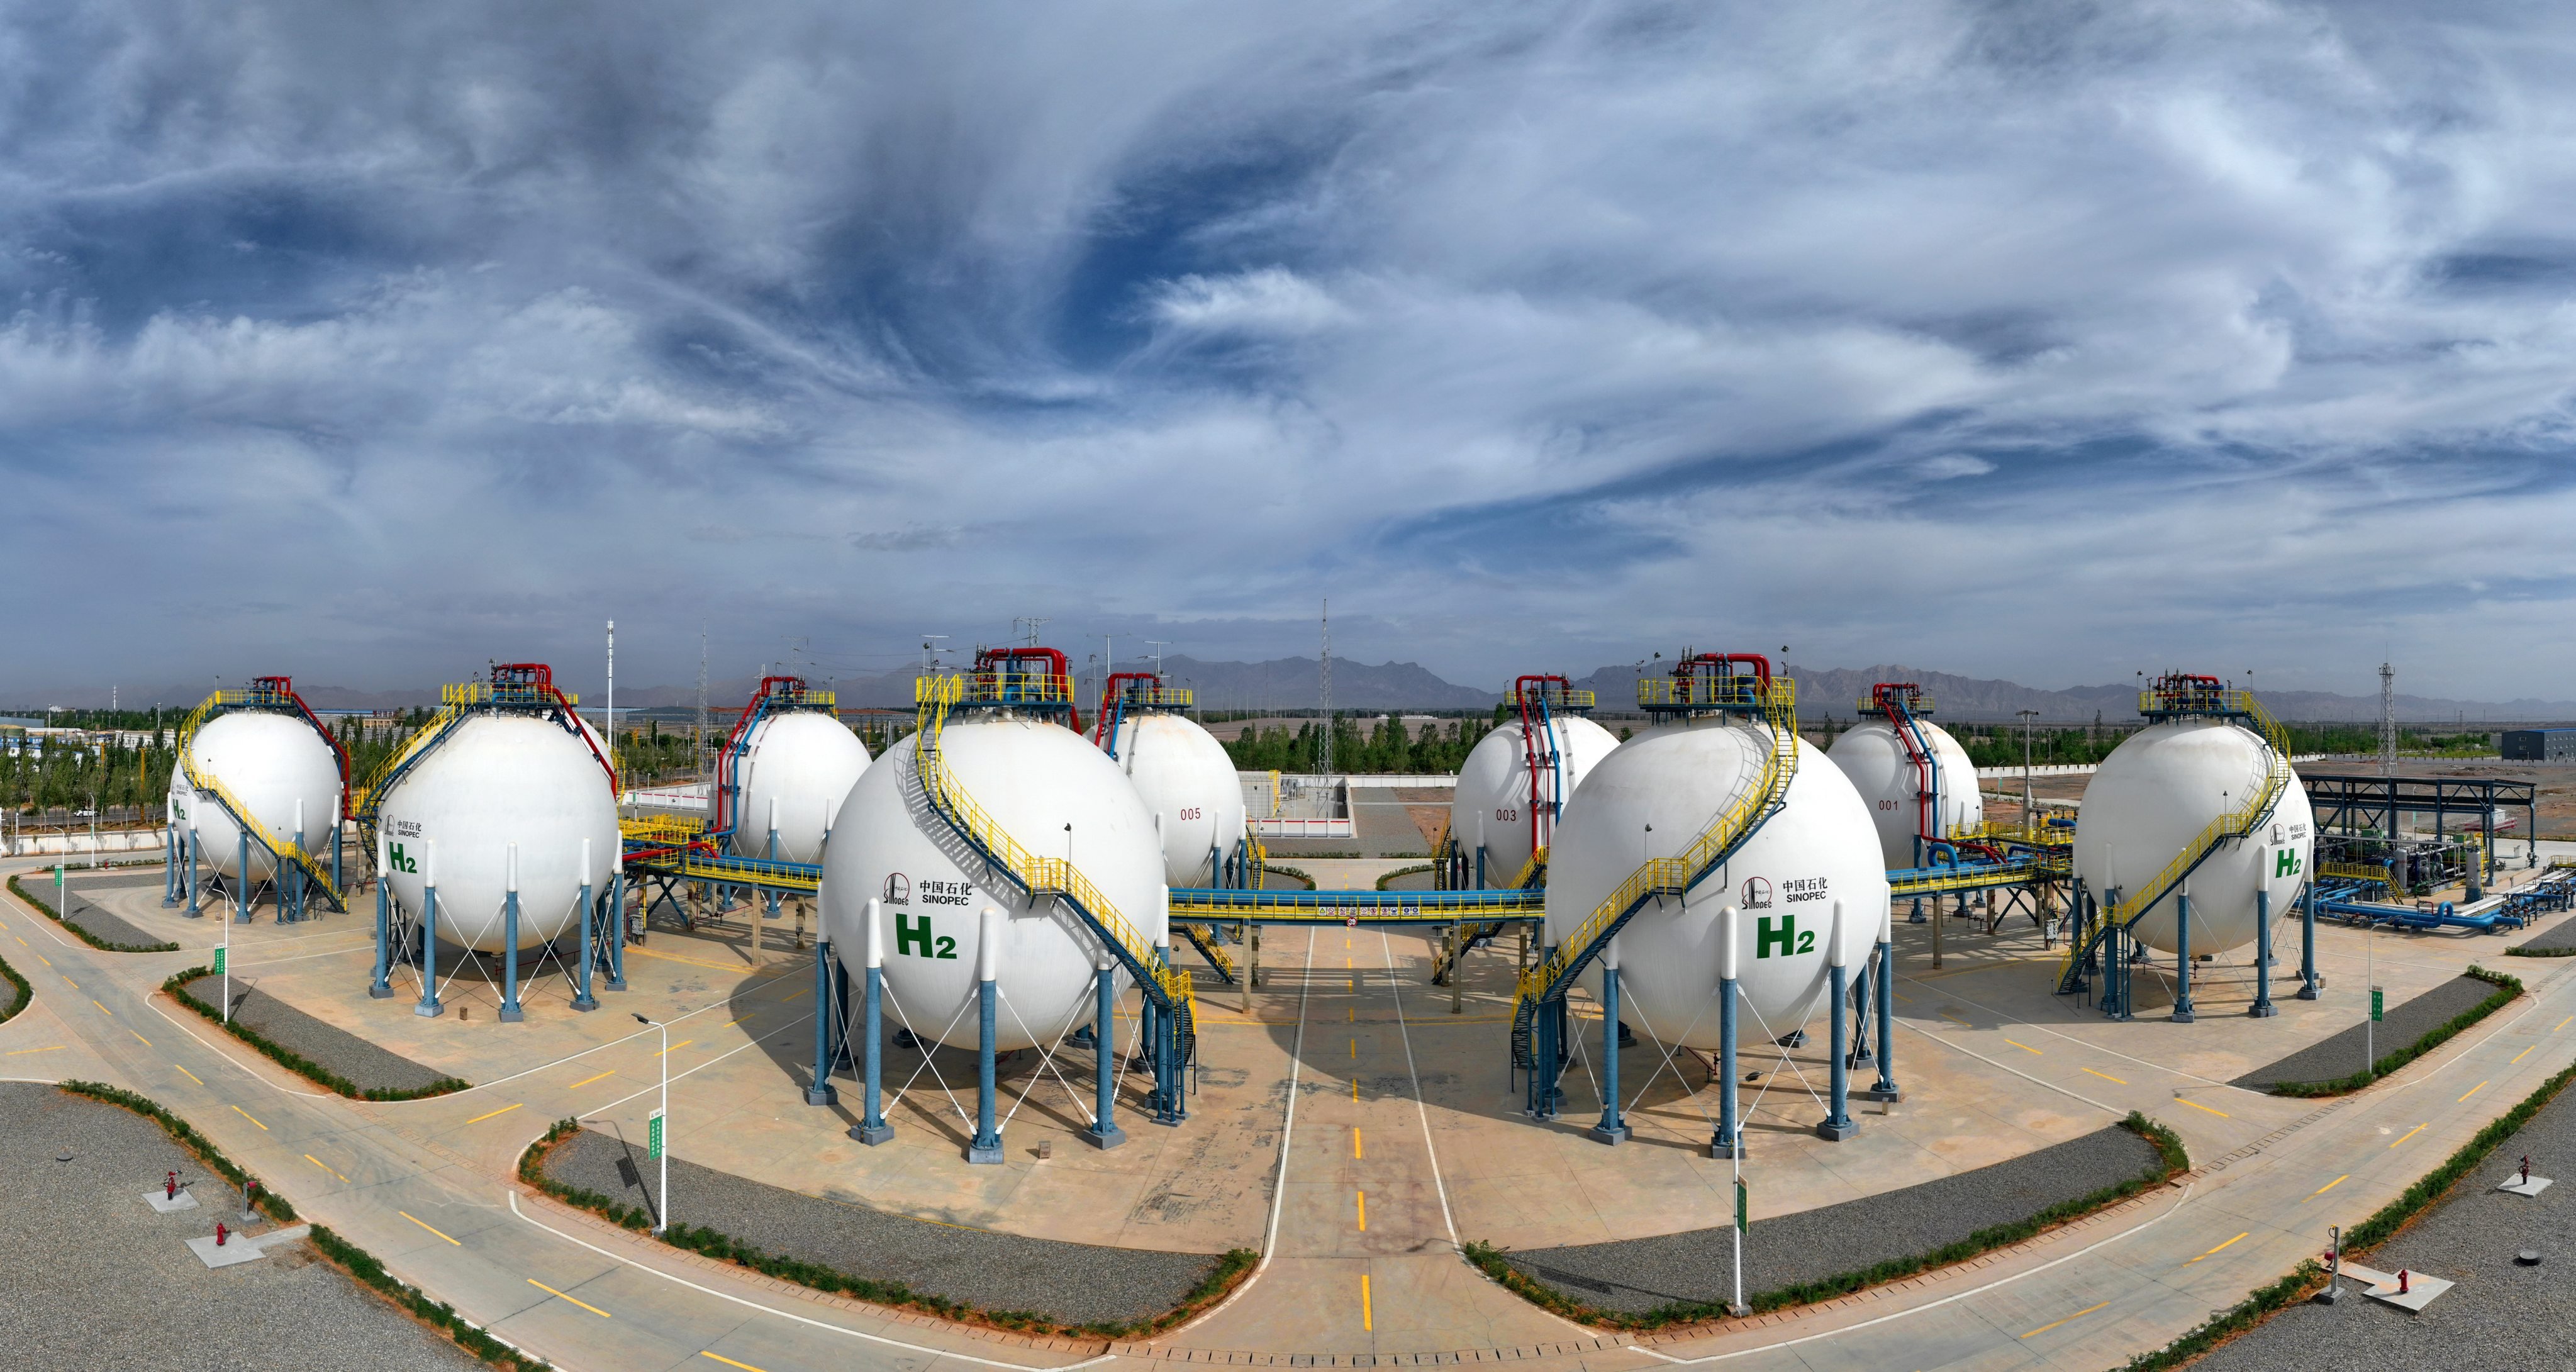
371	342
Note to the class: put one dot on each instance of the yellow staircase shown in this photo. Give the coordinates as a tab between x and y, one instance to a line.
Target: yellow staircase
283	848
1669	876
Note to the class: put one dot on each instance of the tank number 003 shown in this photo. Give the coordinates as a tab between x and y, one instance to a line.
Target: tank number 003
1508	816
913	937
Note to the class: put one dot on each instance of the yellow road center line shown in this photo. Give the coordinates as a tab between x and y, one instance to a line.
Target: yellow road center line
14	1052
2076	1316
478	1119
1355	1141
146	1042
1355	1088
719	1357
101	1008
783	1001
2521	1055
1900	995
245	1114
2472	1091
676	1047
2329	1186
1368	1320
73	984
2223	1246
425	1225
2106	1076
334	1171
2023	1046
190	1075
1954	1019
1363	1199
2571	1019
585	1081
50	962
2412	1132
2196	1105
1355	1049
558	1295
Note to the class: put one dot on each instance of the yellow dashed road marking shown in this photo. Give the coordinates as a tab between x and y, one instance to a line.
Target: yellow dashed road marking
425	1225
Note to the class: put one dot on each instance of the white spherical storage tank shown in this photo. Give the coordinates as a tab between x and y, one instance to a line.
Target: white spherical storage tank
1492	802
1054	794
500	779
267	761
1786	880
1187	781
804	763
1875	760
2156	794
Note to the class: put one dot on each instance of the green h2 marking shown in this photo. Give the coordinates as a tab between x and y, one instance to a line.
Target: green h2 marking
2285	863
906	934
395	858
1764	935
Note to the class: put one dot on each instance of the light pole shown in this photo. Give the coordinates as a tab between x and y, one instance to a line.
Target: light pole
658	1131
2029	821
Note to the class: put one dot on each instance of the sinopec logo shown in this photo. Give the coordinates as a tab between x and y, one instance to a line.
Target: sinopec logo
1757	894
898	889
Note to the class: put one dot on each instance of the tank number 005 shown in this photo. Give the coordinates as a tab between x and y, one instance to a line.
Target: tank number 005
913	937
1190	812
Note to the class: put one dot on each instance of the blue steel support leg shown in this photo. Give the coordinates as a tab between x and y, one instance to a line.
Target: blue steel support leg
381	987
821	1091
2308	979
582	998
1724	1145
510	1011
2182	958
1104	1132
1885	1088
987	1146
2262	1008
241	898
429	1008
169	865
1611	1129
1837	1124
336	883
195	910
1864	998
872	1128
841	1005
617	931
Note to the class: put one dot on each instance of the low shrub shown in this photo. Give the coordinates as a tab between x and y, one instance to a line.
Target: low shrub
84	935
21	995
293	1061
2507	987
2170	1161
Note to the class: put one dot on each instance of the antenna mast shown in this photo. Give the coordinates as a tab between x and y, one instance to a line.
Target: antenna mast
2387	720
1325	764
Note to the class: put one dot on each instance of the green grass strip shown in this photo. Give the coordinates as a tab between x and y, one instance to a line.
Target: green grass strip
21	995
293	1061
2507	987
2383	1225
2170	1161
1221	1278
86	936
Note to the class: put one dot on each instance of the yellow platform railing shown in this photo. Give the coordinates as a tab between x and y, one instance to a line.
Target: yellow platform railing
282	848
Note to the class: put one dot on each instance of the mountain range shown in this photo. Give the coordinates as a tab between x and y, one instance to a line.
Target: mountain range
1292	683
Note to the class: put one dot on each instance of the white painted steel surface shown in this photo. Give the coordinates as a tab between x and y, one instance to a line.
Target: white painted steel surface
2155	794
806	761
1188	781
1874	758
268	761
1492	803
498	780
1821	848
1033	778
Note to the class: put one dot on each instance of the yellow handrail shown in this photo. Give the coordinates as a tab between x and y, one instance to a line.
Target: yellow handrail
204	783
1673	875
1531	870
933	695
454	701
2233	824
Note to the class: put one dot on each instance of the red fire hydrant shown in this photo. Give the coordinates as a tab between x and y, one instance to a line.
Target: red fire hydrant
170	1188
2526	1169
2402	1281
219	1233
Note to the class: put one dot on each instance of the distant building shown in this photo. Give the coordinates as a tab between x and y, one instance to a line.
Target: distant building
2538	745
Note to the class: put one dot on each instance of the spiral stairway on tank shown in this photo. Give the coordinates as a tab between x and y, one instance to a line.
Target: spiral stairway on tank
1545	985
266	693
2163	702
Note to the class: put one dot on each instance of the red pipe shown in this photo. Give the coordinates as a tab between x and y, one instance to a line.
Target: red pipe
1900	714
542	678
1108	692
1529	748
987	658
285	686
1761	665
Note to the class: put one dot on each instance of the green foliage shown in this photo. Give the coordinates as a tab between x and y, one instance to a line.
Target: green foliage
1221	1277
364	1266
2170	1161
20	993
2382	1225
269	1202
2507	988
293	1061
1402	872
1385	748
84	935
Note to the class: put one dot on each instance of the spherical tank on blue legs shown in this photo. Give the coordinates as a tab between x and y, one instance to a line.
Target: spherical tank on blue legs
1184	776
1516	781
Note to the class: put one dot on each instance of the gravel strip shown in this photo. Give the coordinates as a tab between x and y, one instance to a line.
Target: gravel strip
100	1280
365	1065
2557	937
1070	1283
2499	1316
1637	1275
2346	1053
105	927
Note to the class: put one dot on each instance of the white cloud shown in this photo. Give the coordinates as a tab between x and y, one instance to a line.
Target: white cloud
1949	465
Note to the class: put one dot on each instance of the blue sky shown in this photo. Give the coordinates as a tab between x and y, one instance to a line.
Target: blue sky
369	343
